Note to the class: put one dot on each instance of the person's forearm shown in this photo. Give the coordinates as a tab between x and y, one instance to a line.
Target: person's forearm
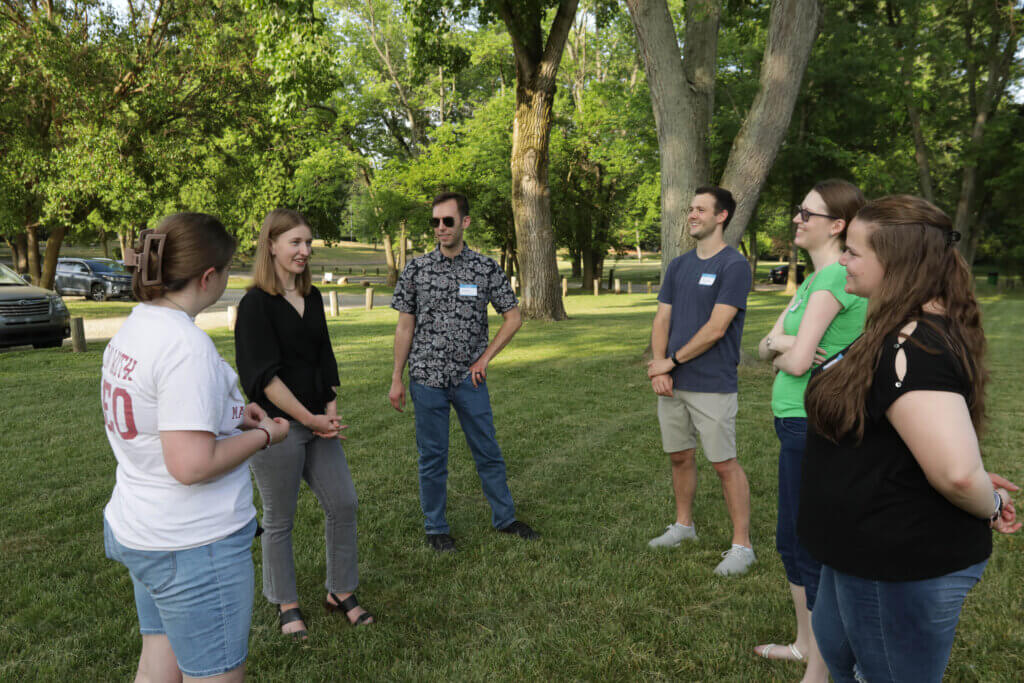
795	361
282	397
971	492
508	329
659	339
706	337
403	343
209	458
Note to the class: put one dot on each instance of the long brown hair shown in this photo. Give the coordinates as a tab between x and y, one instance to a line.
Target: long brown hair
191	244
277	222
843	200
913	240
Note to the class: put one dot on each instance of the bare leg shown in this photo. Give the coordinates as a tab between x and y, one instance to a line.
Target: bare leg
737	499
684	484
234	676
816	671
157	663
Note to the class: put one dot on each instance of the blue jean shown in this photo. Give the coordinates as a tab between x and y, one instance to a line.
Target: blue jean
891	631
200	598
801	568
473	407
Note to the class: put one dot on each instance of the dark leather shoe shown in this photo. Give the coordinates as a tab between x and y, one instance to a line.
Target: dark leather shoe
520	529
442	543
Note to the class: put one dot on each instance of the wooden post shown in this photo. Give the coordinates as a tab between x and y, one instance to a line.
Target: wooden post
618	286
232	317
343	280
611	275
369	298
78	343
515	283
597	287
648	286
565	286
629	288
333	298
328	276
376	271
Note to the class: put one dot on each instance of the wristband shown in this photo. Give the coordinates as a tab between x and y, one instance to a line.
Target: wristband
675	362
998	500
267	432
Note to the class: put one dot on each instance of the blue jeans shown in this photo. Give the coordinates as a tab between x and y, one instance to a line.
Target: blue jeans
892	631
801	568
200	598
473	406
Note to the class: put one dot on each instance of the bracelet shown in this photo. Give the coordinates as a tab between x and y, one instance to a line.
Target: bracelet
675	363
998	500
267	432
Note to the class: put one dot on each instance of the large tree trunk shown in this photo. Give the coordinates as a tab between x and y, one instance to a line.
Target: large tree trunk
19	251
32	246
682	96
791	283
53	243
792	29
389	259
536	68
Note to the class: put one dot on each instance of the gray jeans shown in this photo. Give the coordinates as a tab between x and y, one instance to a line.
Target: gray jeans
279	471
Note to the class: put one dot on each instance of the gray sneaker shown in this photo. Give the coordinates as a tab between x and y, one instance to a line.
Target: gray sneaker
673	536
736	560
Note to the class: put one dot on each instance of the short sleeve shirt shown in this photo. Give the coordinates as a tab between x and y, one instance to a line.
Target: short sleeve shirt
693	286
162	373
449	297
788	390
866	508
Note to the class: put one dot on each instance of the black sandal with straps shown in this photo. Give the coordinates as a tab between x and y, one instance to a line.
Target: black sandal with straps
288	616
347	605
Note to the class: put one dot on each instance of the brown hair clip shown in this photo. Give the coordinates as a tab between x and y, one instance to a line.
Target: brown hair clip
140	258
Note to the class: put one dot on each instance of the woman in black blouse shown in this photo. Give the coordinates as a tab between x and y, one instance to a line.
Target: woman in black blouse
287	365
895	502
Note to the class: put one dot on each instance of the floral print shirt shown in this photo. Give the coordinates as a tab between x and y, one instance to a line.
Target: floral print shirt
449	298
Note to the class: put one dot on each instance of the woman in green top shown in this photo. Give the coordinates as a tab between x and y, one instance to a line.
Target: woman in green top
819	321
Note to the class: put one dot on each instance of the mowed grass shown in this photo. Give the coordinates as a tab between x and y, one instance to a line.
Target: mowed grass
589	601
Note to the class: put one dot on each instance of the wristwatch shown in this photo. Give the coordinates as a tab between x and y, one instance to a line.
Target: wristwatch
674	361
998	500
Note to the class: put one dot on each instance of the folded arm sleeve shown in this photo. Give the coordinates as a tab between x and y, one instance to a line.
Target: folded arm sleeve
257	353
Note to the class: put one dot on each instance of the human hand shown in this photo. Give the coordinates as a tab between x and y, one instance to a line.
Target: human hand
1000	482
252	415
660	366
321	425
397	395
276	427
662	385
331	411
819	356
478	371
1007	522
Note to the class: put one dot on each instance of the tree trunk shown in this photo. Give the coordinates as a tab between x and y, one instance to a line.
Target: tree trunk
32	246
53	243
389	259
752	255
791	283
792	29
402	246
19	251
106	245
682	96
536	68
577	264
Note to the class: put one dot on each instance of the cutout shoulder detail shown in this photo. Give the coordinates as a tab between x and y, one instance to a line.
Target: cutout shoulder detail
901	355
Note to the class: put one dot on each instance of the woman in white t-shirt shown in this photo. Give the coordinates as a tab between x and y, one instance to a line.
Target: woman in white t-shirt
181	517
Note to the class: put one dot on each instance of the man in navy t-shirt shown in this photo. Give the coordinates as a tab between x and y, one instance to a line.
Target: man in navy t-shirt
696	344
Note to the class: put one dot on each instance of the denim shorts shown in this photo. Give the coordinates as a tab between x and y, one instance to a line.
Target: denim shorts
201	598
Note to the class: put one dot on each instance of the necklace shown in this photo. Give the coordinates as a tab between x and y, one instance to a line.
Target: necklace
180	307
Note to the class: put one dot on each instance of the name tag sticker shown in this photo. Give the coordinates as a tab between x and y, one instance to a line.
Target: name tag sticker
467	290
707	279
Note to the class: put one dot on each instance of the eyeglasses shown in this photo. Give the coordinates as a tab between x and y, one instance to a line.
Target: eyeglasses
449	222
805	215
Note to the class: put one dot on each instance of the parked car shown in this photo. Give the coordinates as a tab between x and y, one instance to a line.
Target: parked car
30	315
779	274
98	279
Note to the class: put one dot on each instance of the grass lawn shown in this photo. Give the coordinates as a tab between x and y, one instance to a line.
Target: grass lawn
576	419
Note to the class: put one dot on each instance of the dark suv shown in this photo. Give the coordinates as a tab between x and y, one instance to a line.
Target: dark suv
98	279
30	315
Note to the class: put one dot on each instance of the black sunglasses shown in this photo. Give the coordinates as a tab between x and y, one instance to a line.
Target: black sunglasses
449	222
805	215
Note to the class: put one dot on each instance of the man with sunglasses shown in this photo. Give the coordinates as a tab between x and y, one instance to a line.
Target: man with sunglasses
695	341
441	299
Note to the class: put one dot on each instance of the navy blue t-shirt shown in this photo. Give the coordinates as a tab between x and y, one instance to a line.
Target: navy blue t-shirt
692	287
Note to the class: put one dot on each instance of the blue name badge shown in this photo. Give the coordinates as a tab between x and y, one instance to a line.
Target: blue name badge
467	290
707	279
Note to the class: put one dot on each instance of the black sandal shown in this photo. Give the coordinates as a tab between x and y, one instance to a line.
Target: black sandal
347	605
287	617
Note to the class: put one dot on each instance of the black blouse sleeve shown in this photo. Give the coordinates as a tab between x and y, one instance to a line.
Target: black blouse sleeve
328	362
931	365
257	352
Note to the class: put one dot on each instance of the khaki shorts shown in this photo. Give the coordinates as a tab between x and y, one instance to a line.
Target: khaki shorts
689	413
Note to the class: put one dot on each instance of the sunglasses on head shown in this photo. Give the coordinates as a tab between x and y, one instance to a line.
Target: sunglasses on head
805	215
449	222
